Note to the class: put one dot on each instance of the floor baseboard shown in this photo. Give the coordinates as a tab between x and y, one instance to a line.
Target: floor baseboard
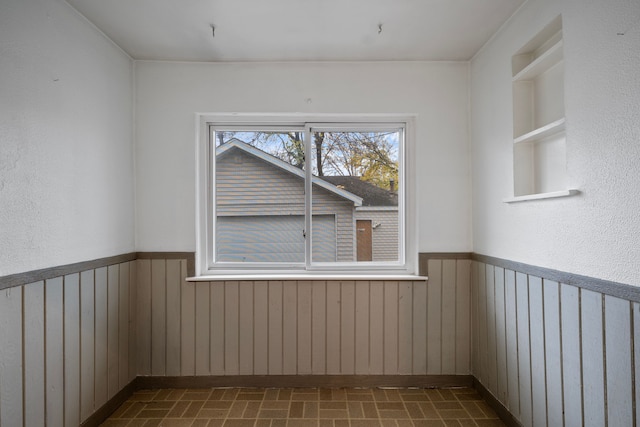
301	381
502	411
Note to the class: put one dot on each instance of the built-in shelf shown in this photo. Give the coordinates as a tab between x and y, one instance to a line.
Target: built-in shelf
540	196
548	59
542	132
539	136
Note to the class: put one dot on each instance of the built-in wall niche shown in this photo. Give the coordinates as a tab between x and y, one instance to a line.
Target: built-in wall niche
539	140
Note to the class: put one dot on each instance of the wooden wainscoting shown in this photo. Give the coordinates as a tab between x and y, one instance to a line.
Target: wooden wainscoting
65	342
303	327
75	337
554	353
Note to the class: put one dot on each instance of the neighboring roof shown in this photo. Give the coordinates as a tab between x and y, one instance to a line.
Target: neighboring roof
262	155
371	194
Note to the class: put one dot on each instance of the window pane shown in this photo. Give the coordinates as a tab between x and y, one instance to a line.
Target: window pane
356	179
259	197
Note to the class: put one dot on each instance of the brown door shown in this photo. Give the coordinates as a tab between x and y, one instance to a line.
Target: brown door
363	232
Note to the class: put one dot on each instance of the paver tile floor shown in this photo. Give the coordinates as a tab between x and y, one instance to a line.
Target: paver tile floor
312	407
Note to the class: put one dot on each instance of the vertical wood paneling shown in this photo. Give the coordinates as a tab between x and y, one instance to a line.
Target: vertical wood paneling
463	320
284	327
54	345
319	327
202	323
434	318
333	327
158	317
492	359
289	327
101	337
391	328
362	347
143	324
592	358
34	370
231	325
376	327
448	318
553	352
217	328
275	328
563	353
511	319
501	347
72	350
133	319
571	360
304	328
60	348
536	327
286	330
347	330
113	318
618	362
419	320
87	349
188	328
475	325
245	331
483	349
173	280
11	355
636	357
123	326
82	332
405	328
524	349
75	346
261	329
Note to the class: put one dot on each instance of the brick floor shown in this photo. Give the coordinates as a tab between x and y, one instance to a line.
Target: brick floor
313	407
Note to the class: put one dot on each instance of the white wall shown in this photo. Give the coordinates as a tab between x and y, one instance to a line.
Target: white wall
597	233
169	95
66	158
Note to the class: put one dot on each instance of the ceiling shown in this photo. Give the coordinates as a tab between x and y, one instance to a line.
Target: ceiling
298	30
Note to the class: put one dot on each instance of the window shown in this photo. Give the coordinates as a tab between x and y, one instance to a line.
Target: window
301	196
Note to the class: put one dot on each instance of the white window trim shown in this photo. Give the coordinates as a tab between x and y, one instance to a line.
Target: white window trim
204	204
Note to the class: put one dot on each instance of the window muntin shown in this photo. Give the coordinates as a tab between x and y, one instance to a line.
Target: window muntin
264	196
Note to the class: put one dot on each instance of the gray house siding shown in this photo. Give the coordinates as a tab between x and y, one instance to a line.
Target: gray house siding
384	237
248	186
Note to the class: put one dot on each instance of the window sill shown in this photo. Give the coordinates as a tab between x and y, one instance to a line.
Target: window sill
309	277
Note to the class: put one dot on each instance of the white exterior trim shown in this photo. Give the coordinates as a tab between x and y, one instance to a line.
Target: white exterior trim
376	208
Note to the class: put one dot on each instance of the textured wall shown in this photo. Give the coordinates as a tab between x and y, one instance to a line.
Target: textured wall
595	234
66	165
169	95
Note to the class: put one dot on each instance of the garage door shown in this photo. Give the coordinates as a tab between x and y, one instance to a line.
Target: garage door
273	238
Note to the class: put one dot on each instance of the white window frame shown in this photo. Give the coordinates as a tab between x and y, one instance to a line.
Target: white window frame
205	199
